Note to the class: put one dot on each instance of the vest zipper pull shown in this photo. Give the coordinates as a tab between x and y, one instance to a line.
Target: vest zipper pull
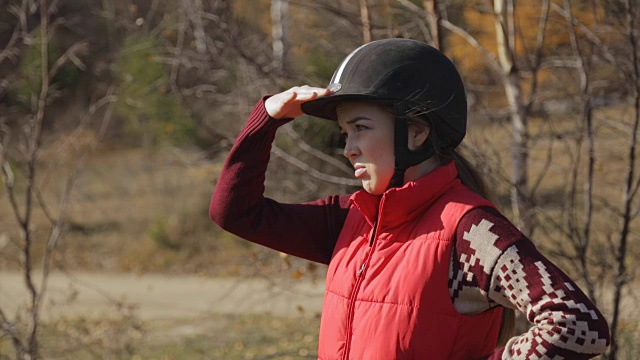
361	270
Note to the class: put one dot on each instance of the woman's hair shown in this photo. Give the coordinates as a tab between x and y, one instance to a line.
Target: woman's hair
469	176
472	179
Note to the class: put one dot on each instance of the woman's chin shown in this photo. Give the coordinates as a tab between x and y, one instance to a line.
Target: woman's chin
372	188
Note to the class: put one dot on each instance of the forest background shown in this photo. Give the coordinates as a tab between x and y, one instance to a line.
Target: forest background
116	117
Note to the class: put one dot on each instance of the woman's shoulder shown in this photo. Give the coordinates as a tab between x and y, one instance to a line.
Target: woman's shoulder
491	219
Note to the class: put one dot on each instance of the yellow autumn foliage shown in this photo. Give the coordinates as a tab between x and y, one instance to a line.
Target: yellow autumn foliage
479	20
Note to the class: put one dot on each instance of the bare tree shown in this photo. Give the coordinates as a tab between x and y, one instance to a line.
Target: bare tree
11	50
26	345
365	18
581	232
632	181
280	34
505	35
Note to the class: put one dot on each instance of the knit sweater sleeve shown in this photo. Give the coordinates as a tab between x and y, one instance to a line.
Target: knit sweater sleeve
499	263
308	230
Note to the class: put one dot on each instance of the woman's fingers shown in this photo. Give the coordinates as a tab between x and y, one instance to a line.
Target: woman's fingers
287	104
310	93
277	105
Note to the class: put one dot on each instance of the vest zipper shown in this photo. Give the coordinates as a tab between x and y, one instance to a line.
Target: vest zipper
373	234
356	289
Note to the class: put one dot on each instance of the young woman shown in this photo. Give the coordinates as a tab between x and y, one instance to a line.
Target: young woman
421	265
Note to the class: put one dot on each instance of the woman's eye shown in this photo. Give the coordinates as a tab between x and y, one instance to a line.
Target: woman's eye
361	127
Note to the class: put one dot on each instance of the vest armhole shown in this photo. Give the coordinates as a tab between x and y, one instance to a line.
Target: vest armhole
457	206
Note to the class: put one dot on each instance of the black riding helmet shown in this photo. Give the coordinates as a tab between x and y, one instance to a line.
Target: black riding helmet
412	77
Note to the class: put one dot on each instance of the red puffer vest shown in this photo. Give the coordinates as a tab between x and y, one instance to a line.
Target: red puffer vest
387	291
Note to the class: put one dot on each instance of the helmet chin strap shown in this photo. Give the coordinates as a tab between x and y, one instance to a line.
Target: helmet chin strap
404	157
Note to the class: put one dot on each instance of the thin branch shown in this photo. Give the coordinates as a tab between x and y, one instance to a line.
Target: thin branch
432	8
43	205
35	133
352	19
120	304
9	329
537	54
177	52
490	58
424	30
56	231
365	19
314	152
9	179
71	55
236	45
582	242
10	49
311	171
189	6
559	62
588	33
572	195
545	169
152	11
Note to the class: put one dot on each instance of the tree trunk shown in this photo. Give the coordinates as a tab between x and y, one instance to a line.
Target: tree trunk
366	22
520	199
194	10
388	16
280	34
632	183
435	26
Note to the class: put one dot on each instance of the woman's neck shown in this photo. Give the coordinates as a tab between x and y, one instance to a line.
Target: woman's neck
418	171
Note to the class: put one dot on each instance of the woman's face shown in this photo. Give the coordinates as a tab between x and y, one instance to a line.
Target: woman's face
368	132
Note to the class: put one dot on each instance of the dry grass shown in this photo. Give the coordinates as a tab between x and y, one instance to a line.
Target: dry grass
133	211
212	337
115	205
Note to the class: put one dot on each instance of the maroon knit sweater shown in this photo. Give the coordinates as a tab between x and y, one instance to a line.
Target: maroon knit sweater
493	264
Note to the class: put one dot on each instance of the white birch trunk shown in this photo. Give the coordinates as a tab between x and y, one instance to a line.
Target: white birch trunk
520	200
280	34
366	22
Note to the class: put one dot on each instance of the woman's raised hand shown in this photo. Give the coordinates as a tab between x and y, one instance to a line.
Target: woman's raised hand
288	104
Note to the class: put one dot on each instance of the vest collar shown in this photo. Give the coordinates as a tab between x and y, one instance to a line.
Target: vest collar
398	205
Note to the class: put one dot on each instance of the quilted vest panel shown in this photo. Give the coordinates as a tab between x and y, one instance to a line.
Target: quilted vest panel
387	291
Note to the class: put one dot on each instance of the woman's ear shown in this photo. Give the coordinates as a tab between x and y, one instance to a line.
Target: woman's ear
418	133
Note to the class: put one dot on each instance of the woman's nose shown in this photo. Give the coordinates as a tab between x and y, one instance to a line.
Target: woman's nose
350	149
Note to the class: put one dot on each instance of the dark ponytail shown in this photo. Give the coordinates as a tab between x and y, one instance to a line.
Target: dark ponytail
469	176
472	179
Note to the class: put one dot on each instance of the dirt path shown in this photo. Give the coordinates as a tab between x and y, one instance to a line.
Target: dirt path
160	297
163	297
